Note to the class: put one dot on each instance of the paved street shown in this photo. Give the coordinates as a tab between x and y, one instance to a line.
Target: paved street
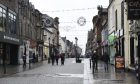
70	73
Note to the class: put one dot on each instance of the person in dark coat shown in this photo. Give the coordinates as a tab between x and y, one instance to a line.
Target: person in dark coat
57	58
106	61
24	60
94	59
62	58
52	58
34	58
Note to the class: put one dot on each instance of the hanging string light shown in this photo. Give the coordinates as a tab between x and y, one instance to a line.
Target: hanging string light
71	10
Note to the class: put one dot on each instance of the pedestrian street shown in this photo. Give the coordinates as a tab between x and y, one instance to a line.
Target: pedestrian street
70	73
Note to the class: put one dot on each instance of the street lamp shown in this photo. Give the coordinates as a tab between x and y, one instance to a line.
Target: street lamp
76	48
53	45
49	51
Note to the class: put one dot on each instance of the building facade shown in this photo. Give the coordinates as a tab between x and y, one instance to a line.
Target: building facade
22	32
10	40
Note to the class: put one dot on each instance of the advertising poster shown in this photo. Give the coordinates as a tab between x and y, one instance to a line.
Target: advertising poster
119	62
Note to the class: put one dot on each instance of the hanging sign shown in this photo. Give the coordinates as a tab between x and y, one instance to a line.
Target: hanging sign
133	9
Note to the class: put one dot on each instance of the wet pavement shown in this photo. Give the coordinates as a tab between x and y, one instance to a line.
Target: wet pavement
70	73
13	69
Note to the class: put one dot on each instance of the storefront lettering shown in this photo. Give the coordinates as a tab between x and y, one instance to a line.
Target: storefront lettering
11	38
134	4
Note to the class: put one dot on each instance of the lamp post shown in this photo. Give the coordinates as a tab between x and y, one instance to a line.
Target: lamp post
53	45
49	51
76	48
52	53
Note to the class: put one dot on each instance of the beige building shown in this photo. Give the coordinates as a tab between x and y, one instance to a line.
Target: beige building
51	34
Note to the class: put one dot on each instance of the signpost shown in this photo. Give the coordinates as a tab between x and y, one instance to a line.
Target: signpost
119	63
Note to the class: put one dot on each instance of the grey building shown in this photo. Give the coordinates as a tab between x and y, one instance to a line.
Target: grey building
9	32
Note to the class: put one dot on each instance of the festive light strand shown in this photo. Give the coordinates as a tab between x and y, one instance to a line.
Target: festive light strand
69	10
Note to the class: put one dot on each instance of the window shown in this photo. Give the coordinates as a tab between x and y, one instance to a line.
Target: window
1	25
2	19
12	23
4	22
116	20
122	15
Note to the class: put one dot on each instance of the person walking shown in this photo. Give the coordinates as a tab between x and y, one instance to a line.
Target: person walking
90	61
94	59
106	61
62	58
52	58
57	58
34	58
24	60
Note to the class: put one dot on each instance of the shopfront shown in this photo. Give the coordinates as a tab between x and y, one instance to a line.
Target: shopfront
112	50
9	46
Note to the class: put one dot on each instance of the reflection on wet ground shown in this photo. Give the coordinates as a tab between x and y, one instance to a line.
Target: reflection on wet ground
49	75
111	77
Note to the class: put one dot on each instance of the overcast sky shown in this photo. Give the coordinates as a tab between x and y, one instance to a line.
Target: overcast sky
68	12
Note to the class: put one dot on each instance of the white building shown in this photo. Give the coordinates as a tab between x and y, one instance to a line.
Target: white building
62	43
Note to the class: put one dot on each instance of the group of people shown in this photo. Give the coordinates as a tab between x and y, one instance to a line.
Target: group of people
56	57
94	61
53	58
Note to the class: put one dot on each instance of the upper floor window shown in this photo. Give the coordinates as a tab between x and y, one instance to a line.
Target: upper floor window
2	19
116	20
12	23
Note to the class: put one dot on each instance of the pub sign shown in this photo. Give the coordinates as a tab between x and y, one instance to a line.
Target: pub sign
133	9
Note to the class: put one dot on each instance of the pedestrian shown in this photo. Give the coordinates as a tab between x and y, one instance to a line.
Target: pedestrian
57	58
106	61
90	60
52	58
4	60
94	59
62	58
24	60
34	58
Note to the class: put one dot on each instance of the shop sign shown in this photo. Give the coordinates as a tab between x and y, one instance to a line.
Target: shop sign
11	38
111	38
8	38
121	32
133	9
117	33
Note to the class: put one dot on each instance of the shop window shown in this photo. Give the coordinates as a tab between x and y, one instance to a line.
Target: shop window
0	21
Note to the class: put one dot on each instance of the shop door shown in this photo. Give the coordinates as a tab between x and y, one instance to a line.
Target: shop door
138	47
13	54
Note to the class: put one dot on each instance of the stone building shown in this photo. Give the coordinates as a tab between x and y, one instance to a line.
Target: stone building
10	40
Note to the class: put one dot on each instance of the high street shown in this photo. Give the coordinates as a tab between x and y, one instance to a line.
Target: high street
70	73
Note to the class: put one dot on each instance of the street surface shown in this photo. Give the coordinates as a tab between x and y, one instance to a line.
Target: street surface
70	73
